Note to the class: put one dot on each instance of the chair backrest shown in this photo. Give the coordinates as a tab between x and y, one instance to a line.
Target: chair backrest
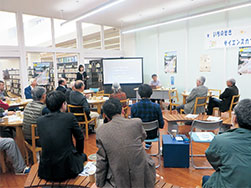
234	101
214	92
153	125
34	137
206	125
173	94
200	101
125	101
72	108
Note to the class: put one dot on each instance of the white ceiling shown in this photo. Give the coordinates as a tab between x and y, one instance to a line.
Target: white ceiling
127	13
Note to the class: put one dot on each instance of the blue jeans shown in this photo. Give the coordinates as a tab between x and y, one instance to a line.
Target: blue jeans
180	107
205	179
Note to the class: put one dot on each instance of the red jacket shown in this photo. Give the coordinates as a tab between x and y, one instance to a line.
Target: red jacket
3	105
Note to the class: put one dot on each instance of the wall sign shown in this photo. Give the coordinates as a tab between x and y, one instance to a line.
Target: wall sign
170	62
228	37
205	63
244	64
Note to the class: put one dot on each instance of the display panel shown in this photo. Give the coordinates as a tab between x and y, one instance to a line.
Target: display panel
123	70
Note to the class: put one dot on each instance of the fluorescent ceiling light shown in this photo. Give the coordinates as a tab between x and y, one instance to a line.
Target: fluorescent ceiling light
95	10
188	18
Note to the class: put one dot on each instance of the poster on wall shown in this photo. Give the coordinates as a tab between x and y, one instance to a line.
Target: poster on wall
205	63
170	62
228	37
244	64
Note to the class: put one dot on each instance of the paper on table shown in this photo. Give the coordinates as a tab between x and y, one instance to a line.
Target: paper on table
89	169
14	118
213	118
205	136
192	116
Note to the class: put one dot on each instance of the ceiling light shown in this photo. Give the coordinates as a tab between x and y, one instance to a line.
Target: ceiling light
94	11
188	17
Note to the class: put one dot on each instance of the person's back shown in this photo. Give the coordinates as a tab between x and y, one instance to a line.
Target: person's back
226	97
60	160
229	152
121	158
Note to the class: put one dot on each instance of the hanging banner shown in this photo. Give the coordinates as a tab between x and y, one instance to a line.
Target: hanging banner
228	37
170	62
244	64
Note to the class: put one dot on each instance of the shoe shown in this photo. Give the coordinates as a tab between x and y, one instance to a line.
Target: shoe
148	146
25	171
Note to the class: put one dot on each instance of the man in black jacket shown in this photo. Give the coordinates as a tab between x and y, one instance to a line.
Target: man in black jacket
60	160
62	85
225	98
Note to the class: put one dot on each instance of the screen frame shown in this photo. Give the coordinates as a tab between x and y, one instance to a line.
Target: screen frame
114	58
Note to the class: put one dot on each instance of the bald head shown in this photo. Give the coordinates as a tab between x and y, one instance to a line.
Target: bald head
79	85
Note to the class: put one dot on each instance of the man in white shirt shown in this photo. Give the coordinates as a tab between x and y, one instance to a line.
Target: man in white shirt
155	83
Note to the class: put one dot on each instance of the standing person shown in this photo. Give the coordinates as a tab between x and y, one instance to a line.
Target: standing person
62	85
3	93
229	152
27	90
225	98
60	159
147	111
121	158
82	75
155	83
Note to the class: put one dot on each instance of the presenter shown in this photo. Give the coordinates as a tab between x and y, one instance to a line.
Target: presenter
155	83
82	75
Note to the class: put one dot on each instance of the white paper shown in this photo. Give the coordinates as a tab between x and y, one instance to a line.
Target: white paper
213	118
204	136
89	169
192	116
14	118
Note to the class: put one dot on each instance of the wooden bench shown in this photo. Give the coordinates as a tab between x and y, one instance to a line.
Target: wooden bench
34	181
161	184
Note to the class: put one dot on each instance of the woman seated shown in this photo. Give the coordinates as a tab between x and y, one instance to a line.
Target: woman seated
117	93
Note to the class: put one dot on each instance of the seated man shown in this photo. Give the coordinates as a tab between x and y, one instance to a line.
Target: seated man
229	152
3	93
155	83
27	90
199	91
68	91
121	159
60	160
147	111
225	98
13	153
33	111
78	99
62	85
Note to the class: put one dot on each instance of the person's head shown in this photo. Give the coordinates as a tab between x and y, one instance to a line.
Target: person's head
79	86
1	85
56	101
243	114
231	82
154	77
62	82
81	68
116	87
39	94
200	81
72	85
33	82
145	91
112	107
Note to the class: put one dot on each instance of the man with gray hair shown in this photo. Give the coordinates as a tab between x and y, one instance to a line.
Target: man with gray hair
27	90
225	98
229	152
199	91
33	111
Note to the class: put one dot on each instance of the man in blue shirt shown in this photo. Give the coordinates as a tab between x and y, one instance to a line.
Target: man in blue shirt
147	111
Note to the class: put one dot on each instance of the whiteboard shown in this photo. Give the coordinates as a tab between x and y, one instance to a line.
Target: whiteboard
123	71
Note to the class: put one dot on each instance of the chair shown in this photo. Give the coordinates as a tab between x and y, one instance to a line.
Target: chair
197	137
235	100
33	148
199	102
173	94
2	162
149	126
125	108
82	114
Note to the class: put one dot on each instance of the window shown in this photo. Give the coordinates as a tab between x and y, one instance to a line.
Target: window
65	36
91	36
8	29
111	38
37	31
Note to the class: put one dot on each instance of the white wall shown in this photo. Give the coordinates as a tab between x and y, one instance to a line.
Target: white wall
8	63
187	38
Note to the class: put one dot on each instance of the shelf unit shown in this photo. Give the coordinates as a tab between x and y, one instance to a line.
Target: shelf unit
95	71
13	84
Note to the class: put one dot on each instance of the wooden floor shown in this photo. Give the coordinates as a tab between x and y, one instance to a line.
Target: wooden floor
185	177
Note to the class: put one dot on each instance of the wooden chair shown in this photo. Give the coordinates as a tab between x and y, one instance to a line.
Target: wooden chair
34	181
235	100
82	114
101	94
173	94
33	148
125	108
197	104
2	162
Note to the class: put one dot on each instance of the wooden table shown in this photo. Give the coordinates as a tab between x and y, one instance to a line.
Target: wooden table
87	91
98	101
19	134
18	103
184	95
182	118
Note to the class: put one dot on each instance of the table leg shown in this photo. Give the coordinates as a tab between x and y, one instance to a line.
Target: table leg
20	140
184	99
99	108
